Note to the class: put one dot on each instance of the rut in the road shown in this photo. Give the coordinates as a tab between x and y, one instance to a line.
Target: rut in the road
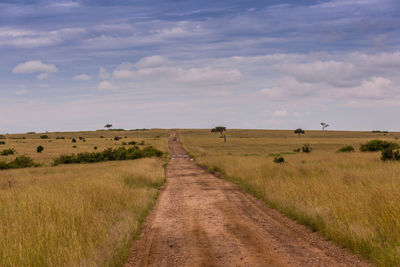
203	220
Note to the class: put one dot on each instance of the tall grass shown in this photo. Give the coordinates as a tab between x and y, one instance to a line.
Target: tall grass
352	199
75	215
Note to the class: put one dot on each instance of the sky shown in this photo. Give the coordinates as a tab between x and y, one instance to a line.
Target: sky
271	64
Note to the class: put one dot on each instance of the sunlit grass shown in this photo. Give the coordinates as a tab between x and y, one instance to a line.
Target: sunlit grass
75	215
351	198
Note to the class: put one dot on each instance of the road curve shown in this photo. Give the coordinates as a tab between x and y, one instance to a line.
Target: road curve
203	220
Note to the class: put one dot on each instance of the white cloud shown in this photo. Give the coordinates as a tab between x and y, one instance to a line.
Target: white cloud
34	66
280	113
43	76
106	85
103	74
209	76
153	61
21	92
123	74
82	77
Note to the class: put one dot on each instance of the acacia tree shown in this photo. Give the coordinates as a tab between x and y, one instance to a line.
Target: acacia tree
324	125
299	131
220	130
108	126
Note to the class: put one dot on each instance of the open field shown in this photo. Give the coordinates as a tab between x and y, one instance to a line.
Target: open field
81	214
25	144
351	198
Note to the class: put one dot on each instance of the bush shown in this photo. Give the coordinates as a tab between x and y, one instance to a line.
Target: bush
378	145
101	136
108	154
60	137
45	136
116	138
124	143
6	152
306	148
296	150
19	162
132	143
2	143
279	159
74	146
73	140
81	138
95	148
389	154
39	149
346	149
2	137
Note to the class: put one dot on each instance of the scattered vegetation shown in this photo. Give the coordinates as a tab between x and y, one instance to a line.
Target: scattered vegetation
117	138
60	137
279	159
378	131
73	140
39	149
19	162
2	142
109	154
45	136
378	145
6	152
348	148
390	154
306	148
2	137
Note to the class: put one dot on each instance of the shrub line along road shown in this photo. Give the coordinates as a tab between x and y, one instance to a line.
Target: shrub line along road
203	220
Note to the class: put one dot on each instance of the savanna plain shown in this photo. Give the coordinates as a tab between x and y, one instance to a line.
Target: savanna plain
89	214
350	198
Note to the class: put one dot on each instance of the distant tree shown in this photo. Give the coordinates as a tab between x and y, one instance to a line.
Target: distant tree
108	126
299	131
39	149
219	129
324	125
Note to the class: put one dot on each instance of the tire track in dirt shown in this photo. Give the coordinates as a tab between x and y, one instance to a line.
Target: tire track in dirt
203	220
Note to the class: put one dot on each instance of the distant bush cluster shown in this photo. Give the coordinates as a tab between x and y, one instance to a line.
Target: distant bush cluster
109	154
306	148
346	149
6	152
19	162
390	154
378	145
45	136
279	159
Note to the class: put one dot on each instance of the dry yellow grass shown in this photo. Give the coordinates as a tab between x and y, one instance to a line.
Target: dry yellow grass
81	214
351	198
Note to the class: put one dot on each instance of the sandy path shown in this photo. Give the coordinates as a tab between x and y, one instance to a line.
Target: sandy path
203	220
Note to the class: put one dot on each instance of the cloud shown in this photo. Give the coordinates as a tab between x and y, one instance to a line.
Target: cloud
123	74
43	76
208	76
106	85
34	66
103	74
153	61
21	92
82	77
280	113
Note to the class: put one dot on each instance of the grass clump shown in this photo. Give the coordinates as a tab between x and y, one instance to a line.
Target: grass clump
279	159
19	162
109	154
378	145
346	149
6	152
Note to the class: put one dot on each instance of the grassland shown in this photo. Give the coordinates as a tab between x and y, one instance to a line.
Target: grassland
351	198
84	214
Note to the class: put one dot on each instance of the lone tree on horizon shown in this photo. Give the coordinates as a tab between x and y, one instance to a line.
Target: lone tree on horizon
324	125
220	130
299	131
108	126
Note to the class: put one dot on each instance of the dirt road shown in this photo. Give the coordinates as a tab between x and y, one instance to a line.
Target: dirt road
203	220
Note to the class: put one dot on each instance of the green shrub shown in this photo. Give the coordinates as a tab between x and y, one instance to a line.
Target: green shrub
95	148
45	136
296	150
81	138
378	145
2	143
6	152
124	143
116	138
101	136
73	140
279	159
390	154
60	137
74	146
346	149
19	162
132	143
39	149
108	154
306	148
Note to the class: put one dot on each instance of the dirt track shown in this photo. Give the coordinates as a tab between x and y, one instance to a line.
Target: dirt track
203	220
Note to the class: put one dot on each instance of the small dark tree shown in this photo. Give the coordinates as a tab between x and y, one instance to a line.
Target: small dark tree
108	126
324	125
220	130
39	149
299	131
